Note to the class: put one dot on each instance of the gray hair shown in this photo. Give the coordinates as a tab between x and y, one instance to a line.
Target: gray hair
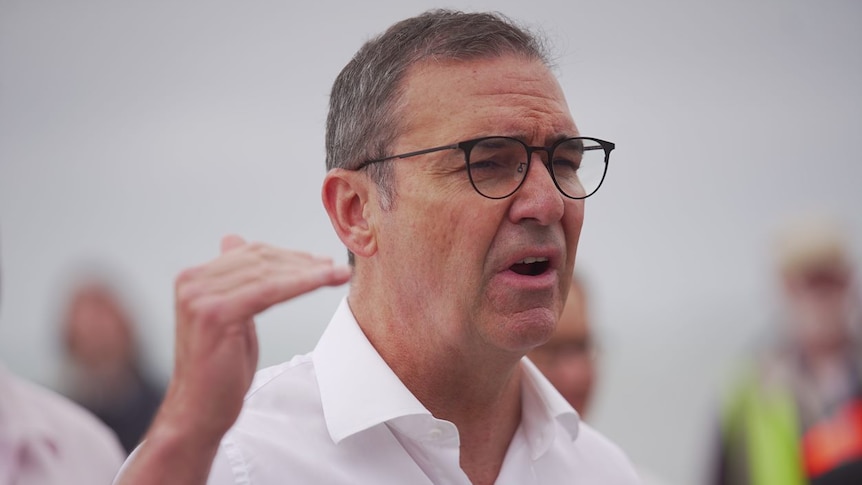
364	106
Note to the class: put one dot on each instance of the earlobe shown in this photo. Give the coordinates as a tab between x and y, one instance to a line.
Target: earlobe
347	199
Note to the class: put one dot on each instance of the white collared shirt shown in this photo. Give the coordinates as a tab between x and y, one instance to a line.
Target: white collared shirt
339	415
46	439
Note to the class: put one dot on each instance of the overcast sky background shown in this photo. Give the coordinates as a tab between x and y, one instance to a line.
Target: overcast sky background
137	134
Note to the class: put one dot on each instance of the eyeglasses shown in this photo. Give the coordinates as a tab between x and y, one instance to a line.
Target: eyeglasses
498	165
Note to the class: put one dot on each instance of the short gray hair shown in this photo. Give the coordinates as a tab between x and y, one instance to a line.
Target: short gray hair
364	115
363	118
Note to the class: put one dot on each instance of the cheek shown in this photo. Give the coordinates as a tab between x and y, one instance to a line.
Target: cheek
450	232
573	218
573	221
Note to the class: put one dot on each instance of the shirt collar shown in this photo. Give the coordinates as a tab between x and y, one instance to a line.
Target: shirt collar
542	407
358	390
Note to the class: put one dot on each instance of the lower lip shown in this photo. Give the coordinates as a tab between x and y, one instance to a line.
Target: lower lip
544	281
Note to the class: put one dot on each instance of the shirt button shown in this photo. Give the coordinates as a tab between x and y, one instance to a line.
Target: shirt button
435	433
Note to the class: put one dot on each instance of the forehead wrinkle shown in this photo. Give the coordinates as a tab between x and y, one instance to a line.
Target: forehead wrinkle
528	86
525	103
531	117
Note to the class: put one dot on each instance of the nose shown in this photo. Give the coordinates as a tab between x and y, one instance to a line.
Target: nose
537	198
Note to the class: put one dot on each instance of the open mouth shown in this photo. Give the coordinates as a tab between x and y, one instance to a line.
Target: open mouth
531	266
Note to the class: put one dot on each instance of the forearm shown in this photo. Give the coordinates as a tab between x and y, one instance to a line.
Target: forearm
170	455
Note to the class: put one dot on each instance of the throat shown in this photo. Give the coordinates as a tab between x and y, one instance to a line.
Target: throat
485	439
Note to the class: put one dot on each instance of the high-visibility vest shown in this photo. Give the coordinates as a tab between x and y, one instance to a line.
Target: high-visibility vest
761	430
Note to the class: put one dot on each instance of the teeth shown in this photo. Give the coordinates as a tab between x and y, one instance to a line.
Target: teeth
531	260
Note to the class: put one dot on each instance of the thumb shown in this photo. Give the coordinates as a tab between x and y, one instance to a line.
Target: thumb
231	241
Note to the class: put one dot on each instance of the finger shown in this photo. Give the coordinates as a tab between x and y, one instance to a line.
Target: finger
243	302
248	264
231	241
340	275
248	275
259	295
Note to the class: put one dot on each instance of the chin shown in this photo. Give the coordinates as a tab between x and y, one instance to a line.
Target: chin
528	329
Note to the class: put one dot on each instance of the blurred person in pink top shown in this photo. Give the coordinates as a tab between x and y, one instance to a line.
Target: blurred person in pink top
47	440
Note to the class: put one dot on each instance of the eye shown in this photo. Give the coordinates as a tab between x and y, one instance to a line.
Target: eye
486	165
563	165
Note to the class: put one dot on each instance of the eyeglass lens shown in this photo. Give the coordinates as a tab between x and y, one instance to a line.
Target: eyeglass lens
497	166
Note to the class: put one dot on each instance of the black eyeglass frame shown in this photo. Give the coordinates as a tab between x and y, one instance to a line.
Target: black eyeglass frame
468	145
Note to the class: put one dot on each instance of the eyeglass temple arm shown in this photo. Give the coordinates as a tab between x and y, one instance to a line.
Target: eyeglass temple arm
413	154
607	146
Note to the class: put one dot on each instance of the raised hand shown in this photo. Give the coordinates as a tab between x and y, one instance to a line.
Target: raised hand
217	348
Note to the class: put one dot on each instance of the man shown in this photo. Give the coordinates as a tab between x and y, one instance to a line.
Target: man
47	440
795	416
567	359
461	236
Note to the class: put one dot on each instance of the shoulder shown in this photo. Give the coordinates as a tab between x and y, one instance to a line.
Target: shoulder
281	419
282	384
77	435
603	454
60	414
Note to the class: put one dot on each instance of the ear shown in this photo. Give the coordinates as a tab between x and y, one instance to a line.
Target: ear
348	202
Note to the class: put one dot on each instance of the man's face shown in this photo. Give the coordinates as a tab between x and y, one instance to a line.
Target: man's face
567	359
821	304
454	254
97	333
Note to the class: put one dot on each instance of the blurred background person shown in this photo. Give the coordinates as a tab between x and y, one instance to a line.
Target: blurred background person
47	440
105	373
795	415
569	358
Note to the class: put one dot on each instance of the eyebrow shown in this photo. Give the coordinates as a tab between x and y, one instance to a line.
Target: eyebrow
520	135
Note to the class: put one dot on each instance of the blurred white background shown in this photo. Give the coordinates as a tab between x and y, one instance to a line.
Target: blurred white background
137	134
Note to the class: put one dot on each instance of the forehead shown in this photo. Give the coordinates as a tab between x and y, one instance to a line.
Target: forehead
509	95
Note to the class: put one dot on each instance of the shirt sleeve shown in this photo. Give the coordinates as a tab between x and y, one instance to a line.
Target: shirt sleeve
229	465
221	472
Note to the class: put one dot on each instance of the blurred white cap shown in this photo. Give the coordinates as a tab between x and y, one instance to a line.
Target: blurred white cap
812	243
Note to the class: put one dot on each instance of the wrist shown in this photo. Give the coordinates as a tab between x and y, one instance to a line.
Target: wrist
182	422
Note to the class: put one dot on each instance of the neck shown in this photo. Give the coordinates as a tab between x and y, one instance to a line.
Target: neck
474	387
